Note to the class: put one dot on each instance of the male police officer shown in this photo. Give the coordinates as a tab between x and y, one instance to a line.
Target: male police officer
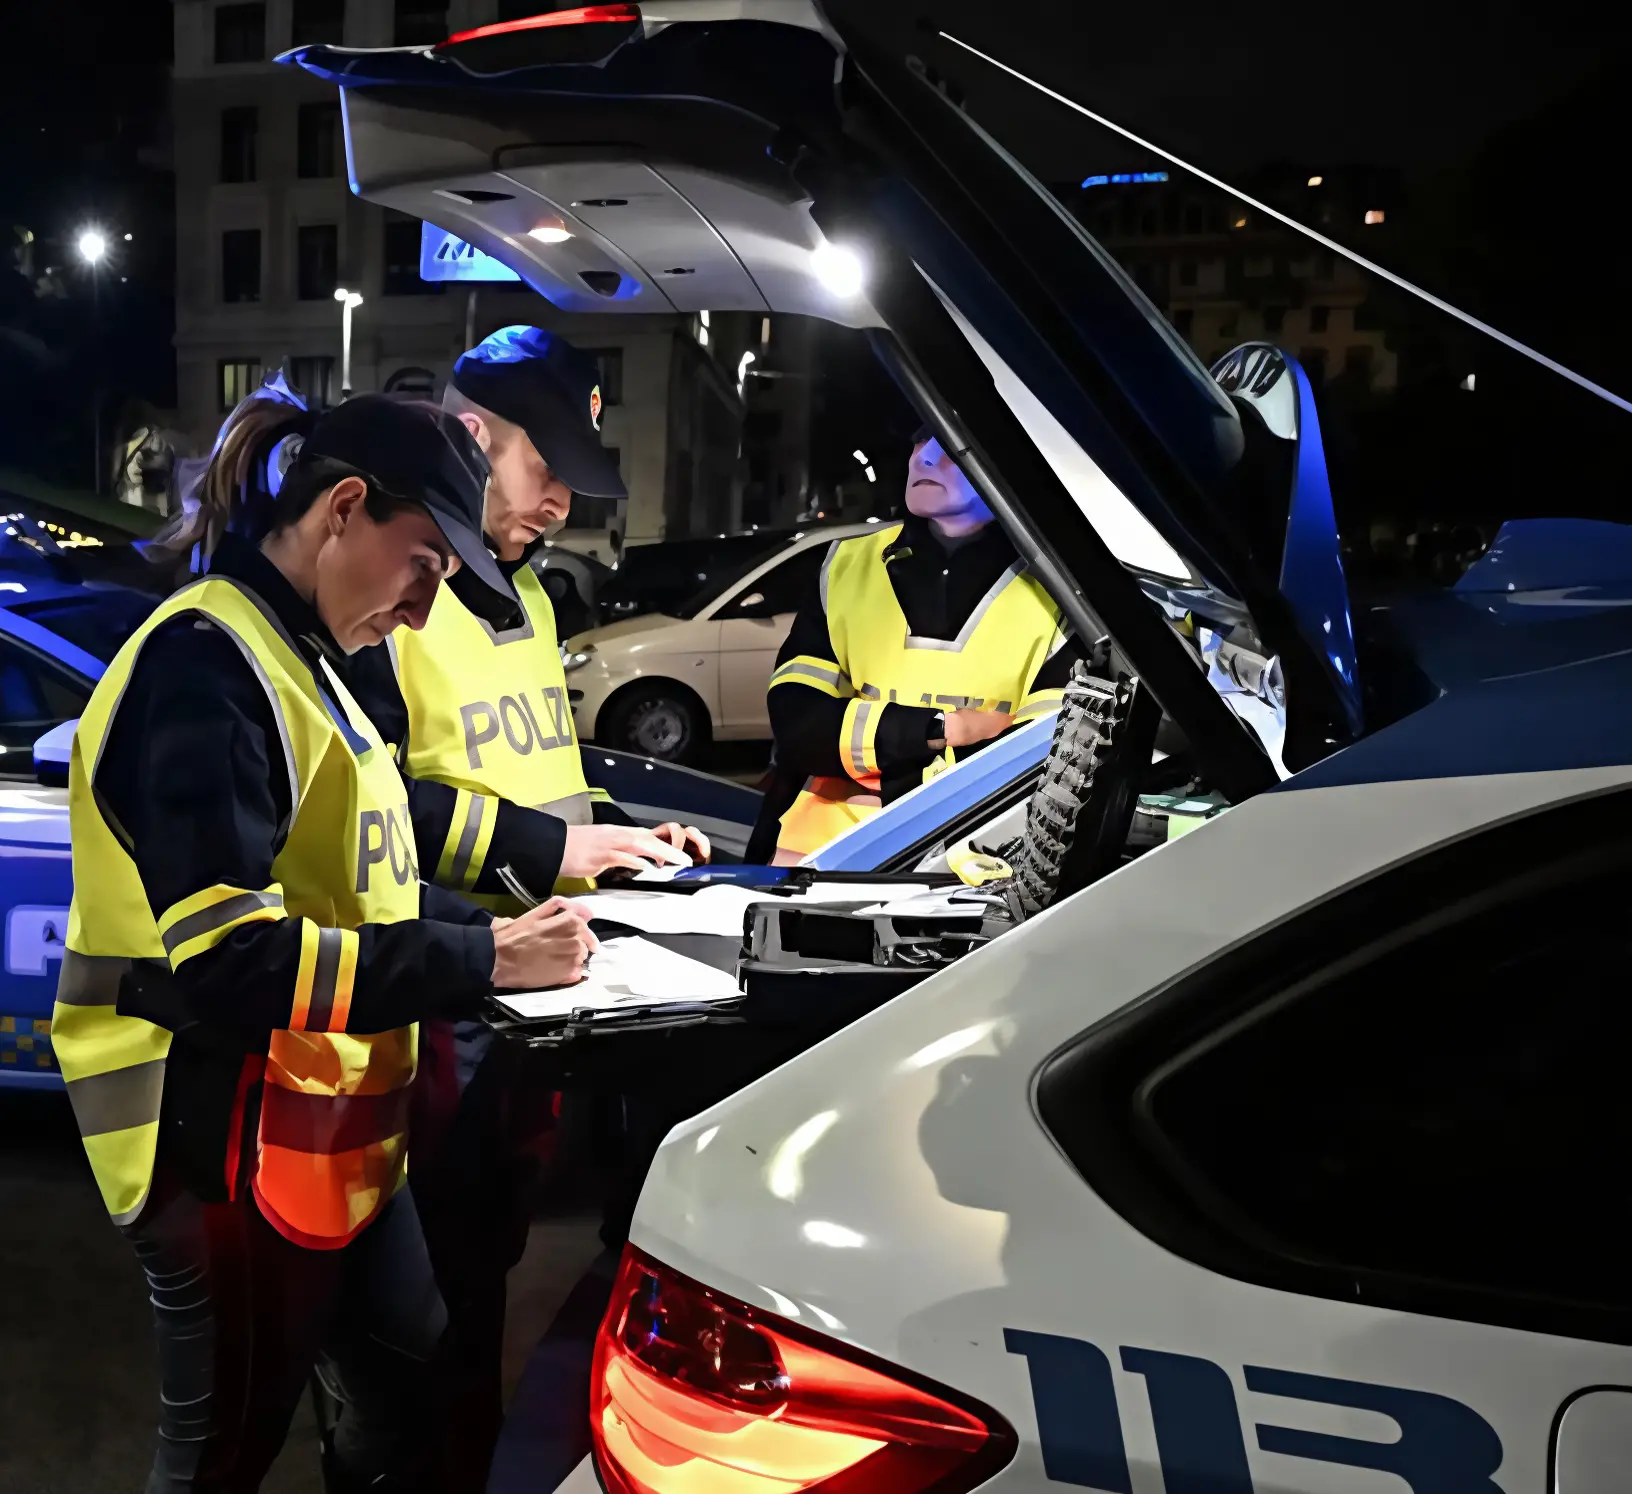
485	734
925	639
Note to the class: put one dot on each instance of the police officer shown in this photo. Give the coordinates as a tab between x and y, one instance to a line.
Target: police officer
485	734
250	952
923	641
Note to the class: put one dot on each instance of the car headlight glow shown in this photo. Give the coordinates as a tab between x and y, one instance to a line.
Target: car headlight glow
572	659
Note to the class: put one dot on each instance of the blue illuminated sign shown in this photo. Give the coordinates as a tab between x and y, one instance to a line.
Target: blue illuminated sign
1124	178
444	257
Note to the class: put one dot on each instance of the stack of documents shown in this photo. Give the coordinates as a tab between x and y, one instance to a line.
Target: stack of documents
624	973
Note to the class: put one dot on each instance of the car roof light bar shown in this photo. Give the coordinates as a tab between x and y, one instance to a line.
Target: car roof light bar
1466	318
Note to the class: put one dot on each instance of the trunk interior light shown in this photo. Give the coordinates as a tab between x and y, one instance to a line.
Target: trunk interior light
839	270
695	1393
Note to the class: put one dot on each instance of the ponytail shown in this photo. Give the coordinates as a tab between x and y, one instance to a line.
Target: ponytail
239	485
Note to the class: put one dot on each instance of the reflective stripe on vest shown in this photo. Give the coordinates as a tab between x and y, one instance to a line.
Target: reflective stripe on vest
331	1144
1006	639
488	715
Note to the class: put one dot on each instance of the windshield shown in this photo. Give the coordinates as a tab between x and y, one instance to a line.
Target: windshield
715	587
99	622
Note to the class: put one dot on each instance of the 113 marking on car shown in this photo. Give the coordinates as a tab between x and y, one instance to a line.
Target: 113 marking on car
1443	1447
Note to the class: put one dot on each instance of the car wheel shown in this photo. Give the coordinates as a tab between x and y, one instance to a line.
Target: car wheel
656	721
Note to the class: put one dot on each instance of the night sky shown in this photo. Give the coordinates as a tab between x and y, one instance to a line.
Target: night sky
1474	104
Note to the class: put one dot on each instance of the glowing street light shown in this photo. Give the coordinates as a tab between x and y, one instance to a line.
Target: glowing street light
92	247
349	300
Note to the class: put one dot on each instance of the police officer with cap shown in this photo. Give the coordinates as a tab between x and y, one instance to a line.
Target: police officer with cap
479	714
251	949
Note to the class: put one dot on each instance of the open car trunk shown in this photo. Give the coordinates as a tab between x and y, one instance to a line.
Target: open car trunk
750	155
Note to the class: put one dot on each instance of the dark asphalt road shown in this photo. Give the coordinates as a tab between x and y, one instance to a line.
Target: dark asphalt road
78	1379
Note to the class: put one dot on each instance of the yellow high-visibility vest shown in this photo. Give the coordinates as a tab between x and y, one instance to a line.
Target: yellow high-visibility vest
331	1148
989	666
488	715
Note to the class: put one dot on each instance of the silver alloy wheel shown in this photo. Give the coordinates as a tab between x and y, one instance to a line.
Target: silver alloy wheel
660	728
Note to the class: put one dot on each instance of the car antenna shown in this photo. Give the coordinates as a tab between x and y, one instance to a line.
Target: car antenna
1263	207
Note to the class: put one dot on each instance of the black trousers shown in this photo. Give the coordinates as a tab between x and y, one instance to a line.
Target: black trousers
243	1316
475	1170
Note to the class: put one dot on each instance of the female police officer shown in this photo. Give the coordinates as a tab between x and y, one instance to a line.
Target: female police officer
250	951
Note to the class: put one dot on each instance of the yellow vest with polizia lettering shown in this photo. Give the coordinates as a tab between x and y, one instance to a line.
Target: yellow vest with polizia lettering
488	715
989	666
331	1148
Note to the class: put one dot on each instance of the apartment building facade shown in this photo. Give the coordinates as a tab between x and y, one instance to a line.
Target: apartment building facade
268	229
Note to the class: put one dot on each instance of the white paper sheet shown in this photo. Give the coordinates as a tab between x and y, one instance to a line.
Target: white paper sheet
720	909
944	903
628	972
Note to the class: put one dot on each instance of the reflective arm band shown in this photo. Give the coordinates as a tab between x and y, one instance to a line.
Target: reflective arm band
1040	703
599	796
858	738
202	921
820	674
469	836
323	984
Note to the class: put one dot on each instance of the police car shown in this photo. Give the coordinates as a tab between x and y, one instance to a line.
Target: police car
1284	1157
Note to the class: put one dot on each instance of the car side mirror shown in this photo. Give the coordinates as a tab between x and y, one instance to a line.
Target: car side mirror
752	605
52	752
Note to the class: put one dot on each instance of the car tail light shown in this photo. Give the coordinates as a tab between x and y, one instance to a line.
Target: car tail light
587	15
694	1393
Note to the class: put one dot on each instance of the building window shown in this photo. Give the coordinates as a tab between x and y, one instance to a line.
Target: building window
1187	272
401	276
1274	319
415	383
1195	218
319	22
314	377
241	265
318	144
1184	321
609	374
518	10
1228	327
1374	216
420	23
1357	360
240	33
240	131
1314	364
317	261
1320	318
1366	318
1258	266
239	378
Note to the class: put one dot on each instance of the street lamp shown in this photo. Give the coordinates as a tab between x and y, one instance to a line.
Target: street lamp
348	299
92	245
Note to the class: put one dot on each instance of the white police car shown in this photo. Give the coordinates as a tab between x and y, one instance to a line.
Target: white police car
1286	1156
